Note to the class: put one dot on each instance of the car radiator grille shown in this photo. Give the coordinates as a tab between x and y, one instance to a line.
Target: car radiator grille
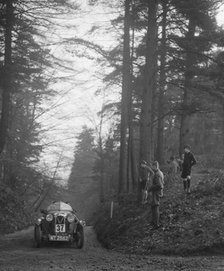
49	227
60	219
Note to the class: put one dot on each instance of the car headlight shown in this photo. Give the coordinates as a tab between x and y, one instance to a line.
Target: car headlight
49	217
38	221
71	218
83	223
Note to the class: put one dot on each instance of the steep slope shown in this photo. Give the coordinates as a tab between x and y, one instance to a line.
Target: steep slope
190	223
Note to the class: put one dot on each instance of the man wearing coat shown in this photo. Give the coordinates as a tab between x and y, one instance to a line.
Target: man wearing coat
157	192
188	162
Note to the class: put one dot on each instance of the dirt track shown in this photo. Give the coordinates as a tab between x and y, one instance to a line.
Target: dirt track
17	253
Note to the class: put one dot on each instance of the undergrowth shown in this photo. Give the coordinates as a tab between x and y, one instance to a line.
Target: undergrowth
13	215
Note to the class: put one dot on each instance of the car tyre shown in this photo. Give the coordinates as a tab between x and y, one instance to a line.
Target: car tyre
80	239
37	236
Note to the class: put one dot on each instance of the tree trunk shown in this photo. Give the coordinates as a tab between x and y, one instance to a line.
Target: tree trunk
149	84
4	122
132	167
146	130
124	101
102	199
185	116
162	84
223	125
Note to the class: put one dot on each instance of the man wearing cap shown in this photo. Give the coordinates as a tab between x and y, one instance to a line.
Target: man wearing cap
157	193
188	162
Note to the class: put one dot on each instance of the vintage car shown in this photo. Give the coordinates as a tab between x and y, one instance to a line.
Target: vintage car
59	223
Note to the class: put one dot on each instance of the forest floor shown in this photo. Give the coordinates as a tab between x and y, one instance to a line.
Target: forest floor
191	224
18	254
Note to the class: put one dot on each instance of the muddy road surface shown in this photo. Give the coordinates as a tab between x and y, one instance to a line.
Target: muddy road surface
17	253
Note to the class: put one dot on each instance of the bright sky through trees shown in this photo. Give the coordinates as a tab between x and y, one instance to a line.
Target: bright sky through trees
220	16
77	81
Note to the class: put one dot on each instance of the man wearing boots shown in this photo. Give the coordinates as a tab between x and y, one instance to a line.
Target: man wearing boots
157	193
188	162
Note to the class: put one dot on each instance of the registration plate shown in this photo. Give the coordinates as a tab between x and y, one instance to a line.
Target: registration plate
60	228
58	238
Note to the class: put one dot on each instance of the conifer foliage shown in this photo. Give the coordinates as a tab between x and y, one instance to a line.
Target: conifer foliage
23	86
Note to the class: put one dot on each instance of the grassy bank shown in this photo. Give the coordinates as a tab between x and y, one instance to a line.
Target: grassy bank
190	223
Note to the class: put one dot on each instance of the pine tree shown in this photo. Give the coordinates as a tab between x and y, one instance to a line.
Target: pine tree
162	86
126	92
149	84
84	156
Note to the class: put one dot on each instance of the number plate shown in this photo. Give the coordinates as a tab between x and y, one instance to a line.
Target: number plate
60	228
58	238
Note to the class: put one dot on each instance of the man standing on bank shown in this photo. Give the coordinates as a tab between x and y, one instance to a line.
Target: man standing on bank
157	193
144	172
188	162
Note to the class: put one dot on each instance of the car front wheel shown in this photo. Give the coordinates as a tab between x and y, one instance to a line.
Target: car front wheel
37	236
80	238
